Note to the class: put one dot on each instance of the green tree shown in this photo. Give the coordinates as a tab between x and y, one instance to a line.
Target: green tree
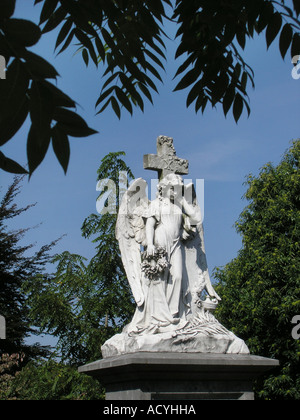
16	267
260	288
51	380
85	303
126	38
9	366
106	266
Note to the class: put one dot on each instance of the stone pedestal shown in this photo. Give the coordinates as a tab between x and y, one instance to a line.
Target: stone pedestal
171	376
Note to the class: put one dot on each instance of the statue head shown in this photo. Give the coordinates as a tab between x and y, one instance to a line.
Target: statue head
171	186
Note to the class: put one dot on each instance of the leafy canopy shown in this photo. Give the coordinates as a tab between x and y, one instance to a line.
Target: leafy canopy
85	302
52	381
16	268
260	288
126	38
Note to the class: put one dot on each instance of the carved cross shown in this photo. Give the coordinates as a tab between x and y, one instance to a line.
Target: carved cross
166	162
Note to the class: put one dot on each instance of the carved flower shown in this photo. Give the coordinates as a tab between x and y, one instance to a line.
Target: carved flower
154	265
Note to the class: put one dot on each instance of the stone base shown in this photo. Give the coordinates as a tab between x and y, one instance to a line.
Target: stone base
175	376
168	343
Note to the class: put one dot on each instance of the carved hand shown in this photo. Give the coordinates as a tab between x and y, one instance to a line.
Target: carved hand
151	250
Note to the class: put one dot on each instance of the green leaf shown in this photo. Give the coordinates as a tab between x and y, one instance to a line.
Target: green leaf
285	39
123	99
105	94
238	107
64	32
195	92
188	79
218	89
36	148
153	71
66	116
55	19
108	39
85	56
68	42
104	106
9	165
48	9
133	68
38	67
265	16
295	50
132	91
13	90
241	38
21	32
228	99
87	43
59	97
41	111
100	48
273	28
5	48
190	60
146	92
296	4
61	147
72	124
154	58
110	79
10	126
247	106
201	103
115	107
76	131
7	8
244	81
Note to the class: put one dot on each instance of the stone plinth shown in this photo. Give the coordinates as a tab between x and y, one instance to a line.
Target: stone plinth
169	376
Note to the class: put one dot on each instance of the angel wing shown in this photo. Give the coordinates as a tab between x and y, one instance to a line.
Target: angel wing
198	278
131	234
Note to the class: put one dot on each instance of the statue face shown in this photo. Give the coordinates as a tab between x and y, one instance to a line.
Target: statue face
171	187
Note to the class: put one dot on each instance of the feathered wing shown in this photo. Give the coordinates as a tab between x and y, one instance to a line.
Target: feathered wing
130	233
198	277
203	263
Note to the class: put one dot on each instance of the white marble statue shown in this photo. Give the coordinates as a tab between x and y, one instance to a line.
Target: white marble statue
162	249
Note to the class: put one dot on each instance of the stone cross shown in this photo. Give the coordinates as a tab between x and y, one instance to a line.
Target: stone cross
166	162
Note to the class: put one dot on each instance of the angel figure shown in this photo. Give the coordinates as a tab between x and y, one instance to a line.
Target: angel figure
162	249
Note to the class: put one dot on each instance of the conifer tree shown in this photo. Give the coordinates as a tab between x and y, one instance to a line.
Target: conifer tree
16	267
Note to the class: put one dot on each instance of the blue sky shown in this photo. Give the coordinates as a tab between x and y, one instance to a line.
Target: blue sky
219	150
